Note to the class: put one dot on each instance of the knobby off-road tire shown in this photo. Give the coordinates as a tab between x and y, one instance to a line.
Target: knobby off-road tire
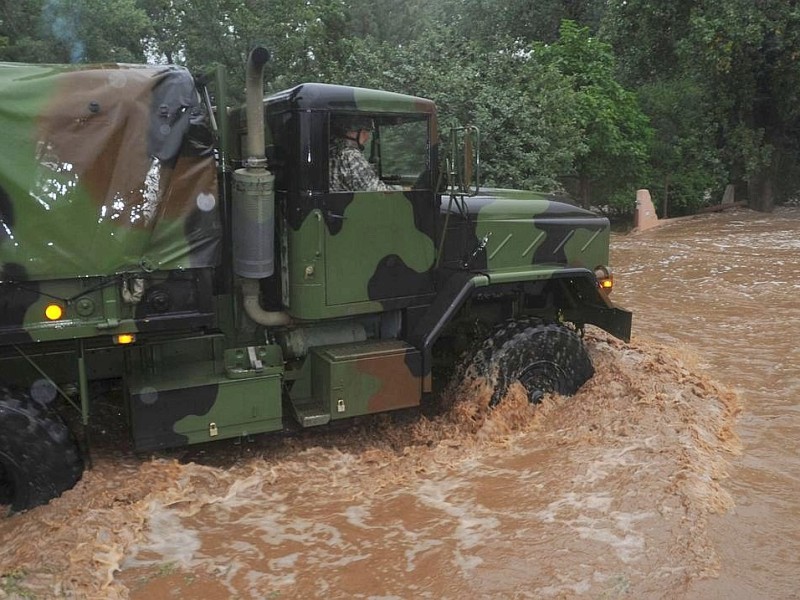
38	457
543	357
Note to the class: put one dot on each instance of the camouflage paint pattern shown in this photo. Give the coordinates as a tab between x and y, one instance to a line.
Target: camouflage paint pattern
503	234
365	378
193	412
195	403
110	181
104	171
93	306
366	252
348	253
516	237
107	176
379	254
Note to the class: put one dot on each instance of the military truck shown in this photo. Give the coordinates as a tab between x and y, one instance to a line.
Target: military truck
151	236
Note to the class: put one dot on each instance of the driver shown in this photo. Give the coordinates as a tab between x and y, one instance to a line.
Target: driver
349	169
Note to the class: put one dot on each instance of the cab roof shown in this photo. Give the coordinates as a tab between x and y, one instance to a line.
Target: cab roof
340	98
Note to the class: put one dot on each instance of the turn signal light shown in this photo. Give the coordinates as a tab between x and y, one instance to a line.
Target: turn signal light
605	278
124	338
54	312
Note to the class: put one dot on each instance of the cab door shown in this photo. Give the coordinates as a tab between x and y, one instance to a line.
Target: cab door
380	245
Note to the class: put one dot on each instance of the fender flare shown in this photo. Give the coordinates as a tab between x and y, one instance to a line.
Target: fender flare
589	304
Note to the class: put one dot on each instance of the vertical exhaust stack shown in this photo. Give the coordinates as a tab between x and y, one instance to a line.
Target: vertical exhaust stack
253	210
255	108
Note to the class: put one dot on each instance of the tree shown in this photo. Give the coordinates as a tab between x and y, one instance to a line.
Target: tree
649	42
615	132
389	20
685	164
741	56
73	31
746	53
521	21
529	134
307	40
646	36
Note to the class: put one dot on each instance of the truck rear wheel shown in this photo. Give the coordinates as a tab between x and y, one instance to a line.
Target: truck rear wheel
38	457
543	357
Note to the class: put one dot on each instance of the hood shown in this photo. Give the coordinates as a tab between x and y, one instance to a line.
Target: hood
509	230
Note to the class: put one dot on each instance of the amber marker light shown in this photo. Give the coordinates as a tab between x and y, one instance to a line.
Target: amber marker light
124	338
605	279
54	312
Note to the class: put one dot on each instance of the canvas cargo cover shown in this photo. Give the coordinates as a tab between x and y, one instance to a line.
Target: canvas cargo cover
104	169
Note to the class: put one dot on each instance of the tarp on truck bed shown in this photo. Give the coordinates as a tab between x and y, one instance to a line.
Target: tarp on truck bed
103	169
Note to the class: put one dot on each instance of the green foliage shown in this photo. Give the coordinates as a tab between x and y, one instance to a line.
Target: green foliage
600	96
645	35
530	128
387	20
308	40
615	132
529	134
748	53
741	56
493	22
59	31
684	161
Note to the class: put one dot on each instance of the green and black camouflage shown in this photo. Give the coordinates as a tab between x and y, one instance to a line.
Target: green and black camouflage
116	199
107	176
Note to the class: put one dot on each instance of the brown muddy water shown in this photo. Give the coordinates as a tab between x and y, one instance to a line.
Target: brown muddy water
672	474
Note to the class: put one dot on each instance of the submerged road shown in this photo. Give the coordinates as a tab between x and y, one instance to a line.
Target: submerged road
673	473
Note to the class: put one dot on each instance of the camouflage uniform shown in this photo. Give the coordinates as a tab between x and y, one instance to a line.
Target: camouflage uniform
351	172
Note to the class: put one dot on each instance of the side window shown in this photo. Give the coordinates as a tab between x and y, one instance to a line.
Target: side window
370	152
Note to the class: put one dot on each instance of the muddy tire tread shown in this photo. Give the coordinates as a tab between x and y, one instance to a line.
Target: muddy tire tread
514	345
37	451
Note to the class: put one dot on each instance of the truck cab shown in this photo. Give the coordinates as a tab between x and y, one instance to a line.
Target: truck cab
356	252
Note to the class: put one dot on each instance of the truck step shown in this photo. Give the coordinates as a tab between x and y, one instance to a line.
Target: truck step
310	413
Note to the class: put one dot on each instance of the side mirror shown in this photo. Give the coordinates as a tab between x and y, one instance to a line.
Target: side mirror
464	170
472	160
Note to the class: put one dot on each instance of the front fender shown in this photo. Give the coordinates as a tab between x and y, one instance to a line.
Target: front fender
574	292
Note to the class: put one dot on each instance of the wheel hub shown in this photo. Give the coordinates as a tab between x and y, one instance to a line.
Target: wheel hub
540	378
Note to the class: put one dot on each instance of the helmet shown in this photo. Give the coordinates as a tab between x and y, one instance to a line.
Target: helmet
343	124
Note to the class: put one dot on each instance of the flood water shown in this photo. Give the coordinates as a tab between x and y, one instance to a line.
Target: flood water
673	473
728	287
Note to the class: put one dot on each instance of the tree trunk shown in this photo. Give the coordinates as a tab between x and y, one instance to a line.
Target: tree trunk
761	194
584	190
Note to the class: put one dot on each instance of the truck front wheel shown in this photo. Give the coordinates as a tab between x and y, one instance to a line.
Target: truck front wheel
38	457
543	357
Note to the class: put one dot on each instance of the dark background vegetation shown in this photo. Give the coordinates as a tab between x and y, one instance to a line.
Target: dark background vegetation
595	97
